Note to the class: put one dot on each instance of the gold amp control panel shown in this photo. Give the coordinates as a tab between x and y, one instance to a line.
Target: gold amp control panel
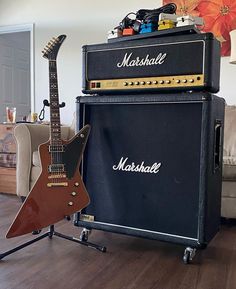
148	82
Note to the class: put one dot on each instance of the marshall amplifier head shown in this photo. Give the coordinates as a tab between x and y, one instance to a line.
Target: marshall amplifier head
186	62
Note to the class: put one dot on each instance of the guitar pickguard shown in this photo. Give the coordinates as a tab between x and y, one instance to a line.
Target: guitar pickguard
74	150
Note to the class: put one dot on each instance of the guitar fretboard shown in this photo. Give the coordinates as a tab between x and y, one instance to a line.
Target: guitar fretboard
55	123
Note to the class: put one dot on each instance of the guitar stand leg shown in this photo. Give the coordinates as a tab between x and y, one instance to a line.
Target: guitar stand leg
85	243
76	240
51	231
3	255
50	234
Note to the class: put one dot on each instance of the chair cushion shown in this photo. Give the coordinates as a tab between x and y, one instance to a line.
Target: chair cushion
229	172
229	189
35	159
35	171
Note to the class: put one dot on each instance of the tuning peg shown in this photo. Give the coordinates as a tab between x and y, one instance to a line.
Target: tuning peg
55	40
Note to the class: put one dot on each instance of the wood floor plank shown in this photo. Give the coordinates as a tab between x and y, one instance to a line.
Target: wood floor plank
129	263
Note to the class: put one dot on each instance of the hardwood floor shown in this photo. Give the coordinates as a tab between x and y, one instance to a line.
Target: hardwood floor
129	263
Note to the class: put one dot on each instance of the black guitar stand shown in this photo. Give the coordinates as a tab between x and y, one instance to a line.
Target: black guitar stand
51	232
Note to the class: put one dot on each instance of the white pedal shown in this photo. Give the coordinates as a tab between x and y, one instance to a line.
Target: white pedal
114	33
189	20
166	16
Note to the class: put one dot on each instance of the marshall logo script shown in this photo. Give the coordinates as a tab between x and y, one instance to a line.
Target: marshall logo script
137	168
147	61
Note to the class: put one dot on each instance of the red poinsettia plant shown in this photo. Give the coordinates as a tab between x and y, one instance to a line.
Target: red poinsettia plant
219	17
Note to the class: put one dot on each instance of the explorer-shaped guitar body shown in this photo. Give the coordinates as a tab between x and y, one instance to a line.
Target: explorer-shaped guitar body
59	190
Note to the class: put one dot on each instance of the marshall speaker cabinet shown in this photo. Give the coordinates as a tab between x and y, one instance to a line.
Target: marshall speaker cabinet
183	62
153	165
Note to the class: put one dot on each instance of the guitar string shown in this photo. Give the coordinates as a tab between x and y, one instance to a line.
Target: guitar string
51	136
53	173
58	134
57	148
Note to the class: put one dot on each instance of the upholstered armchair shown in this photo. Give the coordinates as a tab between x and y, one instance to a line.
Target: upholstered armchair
28	138
228	204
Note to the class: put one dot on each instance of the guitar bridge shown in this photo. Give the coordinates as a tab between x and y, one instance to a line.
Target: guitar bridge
57	176
64	184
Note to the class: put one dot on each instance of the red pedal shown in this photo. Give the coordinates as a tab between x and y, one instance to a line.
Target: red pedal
128	31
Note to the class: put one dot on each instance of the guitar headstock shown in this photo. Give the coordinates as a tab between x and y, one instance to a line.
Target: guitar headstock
52	48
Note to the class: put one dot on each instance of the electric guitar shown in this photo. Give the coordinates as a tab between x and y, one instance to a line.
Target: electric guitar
59	190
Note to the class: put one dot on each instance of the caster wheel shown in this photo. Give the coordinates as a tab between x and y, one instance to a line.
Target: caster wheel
104	249
189	253
84	235
186	258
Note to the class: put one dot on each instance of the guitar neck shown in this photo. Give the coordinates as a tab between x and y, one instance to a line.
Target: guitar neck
55	123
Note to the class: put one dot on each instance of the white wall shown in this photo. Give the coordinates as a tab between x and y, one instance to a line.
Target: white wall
84	22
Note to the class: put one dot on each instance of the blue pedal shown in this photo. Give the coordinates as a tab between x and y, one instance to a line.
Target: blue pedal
148	27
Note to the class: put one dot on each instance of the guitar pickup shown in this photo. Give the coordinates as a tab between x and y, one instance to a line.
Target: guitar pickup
56	168
56	148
